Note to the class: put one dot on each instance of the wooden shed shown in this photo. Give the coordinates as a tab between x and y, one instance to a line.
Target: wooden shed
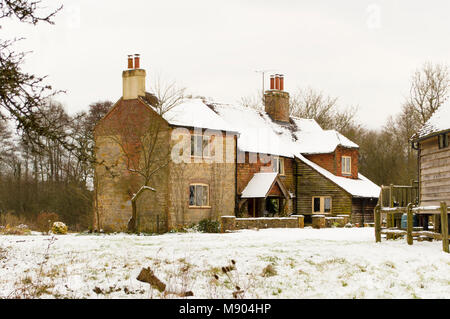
432	144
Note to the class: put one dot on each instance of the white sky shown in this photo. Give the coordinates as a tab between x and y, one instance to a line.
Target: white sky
364	52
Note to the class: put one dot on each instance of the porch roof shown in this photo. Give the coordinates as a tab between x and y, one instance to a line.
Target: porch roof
260	185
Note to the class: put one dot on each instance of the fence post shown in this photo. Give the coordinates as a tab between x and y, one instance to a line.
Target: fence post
409	212
444	226
389	203
377	213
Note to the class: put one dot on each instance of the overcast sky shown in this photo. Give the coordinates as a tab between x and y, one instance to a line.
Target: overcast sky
364	52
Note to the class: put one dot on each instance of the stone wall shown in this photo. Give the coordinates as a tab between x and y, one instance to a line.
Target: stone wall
119	147
230	223
220	177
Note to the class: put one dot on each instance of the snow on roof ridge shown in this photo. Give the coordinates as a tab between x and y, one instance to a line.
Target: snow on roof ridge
302	118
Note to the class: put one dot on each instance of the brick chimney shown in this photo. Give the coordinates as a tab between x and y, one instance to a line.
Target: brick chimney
133	79
277	100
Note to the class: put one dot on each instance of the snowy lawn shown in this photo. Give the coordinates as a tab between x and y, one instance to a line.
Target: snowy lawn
271	263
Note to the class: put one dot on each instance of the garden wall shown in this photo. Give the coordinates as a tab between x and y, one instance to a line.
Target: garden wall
230	223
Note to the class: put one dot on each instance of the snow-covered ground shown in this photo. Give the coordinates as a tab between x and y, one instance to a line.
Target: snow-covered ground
305	263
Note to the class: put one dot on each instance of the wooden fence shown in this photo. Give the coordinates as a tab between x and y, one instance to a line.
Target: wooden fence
441	210
398	196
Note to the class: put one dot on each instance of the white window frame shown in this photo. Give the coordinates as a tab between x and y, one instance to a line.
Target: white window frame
195	205
443	140
206	148
344	160
322	204
278	164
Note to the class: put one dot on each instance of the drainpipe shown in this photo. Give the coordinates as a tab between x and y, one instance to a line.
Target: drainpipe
417	148
236	203
295	186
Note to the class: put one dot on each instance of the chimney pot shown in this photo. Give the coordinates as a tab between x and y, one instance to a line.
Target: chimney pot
130	61
136	61
277	81
276	100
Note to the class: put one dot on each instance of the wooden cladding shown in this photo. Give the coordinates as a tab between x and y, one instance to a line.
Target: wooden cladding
312	184
434	170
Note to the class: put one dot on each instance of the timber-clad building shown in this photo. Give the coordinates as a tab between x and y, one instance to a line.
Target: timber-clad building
432	144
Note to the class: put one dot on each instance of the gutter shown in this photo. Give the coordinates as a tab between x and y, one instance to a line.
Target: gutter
419	139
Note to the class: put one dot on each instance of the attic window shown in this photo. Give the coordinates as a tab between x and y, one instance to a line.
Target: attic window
346	164
443	140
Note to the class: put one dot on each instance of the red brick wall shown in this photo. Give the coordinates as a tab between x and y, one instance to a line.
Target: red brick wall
332	162
353	153
246	170
326	161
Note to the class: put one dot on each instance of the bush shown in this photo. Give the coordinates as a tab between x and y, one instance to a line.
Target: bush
15	230
209	226
59	228
45	221
269	271
12	220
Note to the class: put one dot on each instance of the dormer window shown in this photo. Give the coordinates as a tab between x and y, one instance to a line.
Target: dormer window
346	164
443	140
278	165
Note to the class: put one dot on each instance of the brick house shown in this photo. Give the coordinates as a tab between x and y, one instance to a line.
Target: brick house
187	191
317	170
235	161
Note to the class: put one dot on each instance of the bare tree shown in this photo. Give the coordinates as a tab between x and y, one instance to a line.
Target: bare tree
168	94
22	95
252	101
429	89
144	142
310	103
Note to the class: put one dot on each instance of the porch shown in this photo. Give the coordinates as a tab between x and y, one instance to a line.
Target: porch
265	196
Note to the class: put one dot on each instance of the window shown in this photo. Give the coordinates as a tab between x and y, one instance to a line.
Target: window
278	165
198	195
346	164
200	146
321	204
443	140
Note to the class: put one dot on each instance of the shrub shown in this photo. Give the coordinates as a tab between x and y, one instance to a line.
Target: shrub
59	228
209	226
45	221
15	230
11	219
269	271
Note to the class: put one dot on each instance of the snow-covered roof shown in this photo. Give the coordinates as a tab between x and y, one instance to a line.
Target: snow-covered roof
361	187
321	141
438	122
195	113
259	185
260	134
